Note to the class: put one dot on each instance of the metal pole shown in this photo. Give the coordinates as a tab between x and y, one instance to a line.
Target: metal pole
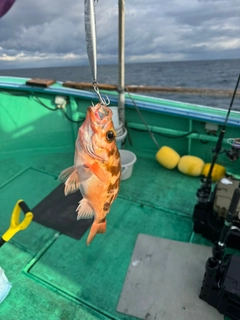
121	60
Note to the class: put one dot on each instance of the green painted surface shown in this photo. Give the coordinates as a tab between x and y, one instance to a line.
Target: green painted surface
28	300
160	188
95	274
25	123
63	278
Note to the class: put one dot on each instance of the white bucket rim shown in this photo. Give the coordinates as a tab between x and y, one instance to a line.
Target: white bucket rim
120	126
119	130
129	163
122	136
115	116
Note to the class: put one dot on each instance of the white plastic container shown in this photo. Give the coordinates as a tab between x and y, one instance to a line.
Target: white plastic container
128	159
5	285
120	129
118	125
115	117
120	138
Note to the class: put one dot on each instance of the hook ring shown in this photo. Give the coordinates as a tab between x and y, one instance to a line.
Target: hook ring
103	101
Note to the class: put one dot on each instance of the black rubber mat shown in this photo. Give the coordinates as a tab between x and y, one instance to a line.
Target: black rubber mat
58	212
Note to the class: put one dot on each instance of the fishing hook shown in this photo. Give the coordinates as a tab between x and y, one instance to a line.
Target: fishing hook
103	101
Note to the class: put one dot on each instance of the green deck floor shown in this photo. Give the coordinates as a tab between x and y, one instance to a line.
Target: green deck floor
61	278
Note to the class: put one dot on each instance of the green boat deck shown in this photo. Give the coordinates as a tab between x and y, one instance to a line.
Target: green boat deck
57	277
48	269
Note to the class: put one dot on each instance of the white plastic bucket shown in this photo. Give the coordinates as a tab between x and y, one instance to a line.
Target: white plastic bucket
120	129
120	138
128	159
115	117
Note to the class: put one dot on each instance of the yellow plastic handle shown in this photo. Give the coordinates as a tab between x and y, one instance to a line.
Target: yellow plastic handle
15	224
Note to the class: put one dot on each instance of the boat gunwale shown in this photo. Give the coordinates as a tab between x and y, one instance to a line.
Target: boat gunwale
144	103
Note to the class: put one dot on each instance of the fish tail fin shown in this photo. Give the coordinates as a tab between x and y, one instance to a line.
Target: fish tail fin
97	227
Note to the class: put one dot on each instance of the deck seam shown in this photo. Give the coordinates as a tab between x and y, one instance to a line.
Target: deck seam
150	205
26	271
69	296
14	177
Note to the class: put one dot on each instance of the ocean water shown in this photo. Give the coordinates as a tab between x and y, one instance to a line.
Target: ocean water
212	74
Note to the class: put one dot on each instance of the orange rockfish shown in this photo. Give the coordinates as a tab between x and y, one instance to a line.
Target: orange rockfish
97	168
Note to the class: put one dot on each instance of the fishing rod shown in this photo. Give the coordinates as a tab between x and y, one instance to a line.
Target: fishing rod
221	283
222	133
205	188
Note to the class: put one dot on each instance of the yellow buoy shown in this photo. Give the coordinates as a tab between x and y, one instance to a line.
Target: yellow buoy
167	157
191	165
217	173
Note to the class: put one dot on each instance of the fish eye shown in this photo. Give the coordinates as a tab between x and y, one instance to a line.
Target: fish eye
110	135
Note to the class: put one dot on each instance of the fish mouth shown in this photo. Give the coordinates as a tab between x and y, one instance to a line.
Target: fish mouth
97	118
101	112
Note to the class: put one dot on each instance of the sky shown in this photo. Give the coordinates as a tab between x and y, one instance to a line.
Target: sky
45	33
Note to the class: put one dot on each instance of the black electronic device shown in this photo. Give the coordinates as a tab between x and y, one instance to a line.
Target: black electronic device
221	283
209	216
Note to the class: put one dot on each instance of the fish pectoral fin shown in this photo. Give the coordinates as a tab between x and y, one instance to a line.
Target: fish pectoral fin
84	210
97	170
71	179
97	227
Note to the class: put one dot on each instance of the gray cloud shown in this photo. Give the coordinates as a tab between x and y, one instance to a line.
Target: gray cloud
50	33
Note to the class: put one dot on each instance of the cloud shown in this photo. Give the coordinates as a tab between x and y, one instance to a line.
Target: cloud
52	32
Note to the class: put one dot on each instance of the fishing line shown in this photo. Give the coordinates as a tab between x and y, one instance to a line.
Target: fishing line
141	117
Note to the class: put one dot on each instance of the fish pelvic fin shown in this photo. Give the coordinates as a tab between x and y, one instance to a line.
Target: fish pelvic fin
84	210
97	227
71	179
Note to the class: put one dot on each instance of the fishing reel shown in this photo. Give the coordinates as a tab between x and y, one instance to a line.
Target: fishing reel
203	193
234	153
210	210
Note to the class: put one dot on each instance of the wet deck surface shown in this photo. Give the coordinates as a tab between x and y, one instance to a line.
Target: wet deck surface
57	277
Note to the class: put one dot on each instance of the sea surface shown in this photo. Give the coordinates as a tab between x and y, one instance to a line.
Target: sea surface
211	74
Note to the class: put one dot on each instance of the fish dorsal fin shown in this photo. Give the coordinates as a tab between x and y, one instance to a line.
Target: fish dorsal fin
97	170
71	179
84	210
